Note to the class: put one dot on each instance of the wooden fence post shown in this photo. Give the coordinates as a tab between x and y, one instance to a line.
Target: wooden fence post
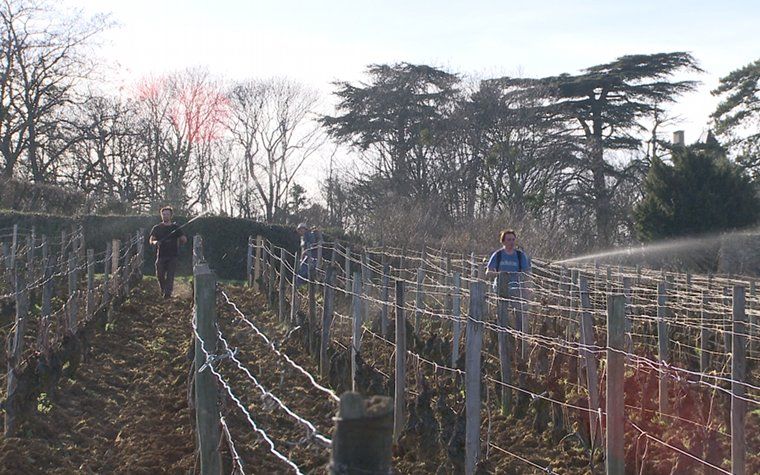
73	293
419	299
107	261
400	377
473	376
90	284
249	262
281	287
16	349
312	287
615	444
327	317
257	265
347	270
753	333
356	335
294	296
126	269
456	314
206	401
588	340
115	257
47	296
363	435
663	341
704	335
384	296
738	378
506	340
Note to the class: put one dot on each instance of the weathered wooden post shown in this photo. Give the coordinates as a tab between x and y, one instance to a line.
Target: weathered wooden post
249	262
127	268
588	341
272	274
115	257
206	401
456	314
320	250
506	341
90	284
400	376
628	293
472	376
294	296
16	349
663	341
615	443
419	299
384	296
356	335
107	280
312	288
738	378
281	284
347	275
327	317
363	433
257	264
73	305
47	296
704	335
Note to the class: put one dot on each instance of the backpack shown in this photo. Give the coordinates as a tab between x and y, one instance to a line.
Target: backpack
519	259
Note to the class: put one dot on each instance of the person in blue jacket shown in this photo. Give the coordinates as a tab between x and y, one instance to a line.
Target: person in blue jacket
516	264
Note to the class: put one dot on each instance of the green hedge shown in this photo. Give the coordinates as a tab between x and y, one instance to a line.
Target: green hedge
225	239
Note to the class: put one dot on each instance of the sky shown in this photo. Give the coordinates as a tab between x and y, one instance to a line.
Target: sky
318	42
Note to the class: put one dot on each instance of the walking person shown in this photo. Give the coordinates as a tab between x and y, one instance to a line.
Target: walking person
167	236
516	264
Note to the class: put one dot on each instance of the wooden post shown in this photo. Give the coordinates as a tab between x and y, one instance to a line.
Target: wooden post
753	332
115	255
107	279
385	289
362	439
198	257
366	280
356	335
14	249
419	299
628	293
16	349
726	323
588	340
456	314
663	340
473	376
73	293
31	241
206	400
126	268
327	317
506	341
271	276
281	287
257	265
704	355
347	270
615	444
738	377
90	284
312	287
294	295
320	250
249	262
400	386
47	296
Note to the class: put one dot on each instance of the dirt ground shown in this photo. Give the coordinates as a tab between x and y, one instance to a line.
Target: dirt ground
126	409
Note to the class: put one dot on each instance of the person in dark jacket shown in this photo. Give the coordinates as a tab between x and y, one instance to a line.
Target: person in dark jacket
167	236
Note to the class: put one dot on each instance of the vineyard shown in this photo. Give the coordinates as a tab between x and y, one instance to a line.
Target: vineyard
583	369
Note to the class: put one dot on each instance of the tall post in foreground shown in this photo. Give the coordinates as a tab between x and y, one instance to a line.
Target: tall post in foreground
356	339
615	460
363	435
399	391
249	262
663	340
588	341
327	317
738	377
257	264
206	409
472	377
456	312
15	350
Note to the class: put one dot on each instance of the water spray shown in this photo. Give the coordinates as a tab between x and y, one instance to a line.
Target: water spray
180	227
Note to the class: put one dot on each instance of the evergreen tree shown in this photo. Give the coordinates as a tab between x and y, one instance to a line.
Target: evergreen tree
700	192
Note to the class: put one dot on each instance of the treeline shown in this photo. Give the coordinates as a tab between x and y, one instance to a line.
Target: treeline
433	156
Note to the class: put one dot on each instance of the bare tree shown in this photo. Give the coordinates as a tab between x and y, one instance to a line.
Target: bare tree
271	123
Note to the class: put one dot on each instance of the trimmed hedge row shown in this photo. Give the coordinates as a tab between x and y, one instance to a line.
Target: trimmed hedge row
225	240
